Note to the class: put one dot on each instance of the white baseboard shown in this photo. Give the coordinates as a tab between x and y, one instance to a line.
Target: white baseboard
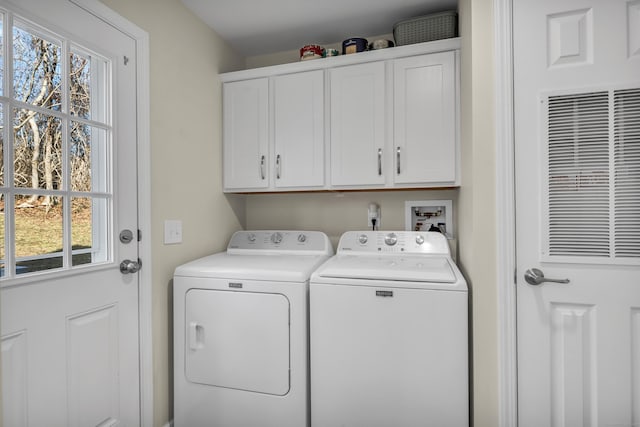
169	424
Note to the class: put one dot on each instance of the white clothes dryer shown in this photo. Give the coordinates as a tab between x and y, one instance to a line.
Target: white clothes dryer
389	334
241	331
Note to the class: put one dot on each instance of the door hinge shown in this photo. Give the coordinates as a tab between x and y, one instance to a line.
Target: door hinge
126	60
139	235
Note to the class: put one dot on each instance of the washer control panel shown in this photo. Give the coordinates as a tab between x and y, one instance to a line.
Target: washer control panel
396	242
307	242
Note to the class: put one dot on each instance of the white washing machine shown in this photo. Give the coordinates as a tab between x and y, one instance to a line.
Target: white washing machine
389	334
241	331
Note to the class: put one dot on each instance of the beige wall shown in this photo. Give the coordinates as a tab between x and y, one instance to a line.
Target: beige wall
477	246
335	212
185	59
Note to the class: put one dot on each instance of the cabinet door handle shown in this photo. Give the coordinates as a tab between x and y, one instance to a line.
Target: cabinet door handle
398	159
278	166
262	159
380	161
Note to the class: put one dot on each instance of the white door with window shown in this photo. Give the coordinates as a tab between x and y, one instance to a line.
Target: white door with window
577	130
68	208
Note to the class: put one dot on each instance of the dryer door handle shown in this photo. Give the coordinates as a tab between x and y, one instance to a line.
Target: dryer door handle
196	336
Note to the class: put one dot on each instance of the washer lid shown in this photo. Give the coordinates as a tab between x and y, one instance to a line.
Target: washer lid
391	268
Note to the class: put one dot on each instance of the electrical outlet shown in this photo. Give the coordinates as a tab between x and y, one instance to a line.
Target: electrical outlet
373	213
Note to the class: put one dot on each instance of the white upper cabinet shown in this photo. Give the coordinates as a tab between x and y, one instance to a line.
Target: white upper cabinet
274	133
358	124
246	134
373	120
425	119
298	114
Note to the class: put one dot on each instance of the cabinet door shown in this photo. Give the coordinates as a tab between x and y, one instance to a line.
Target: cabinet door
357	124
299	129
425	119
246	136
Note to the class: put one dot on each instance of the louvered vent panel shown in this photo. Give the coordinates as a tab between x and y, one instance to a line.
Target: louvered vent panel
578	168
626	131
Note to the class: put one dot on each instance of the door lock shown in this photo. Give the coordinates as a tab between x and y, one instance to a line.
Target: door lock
126	236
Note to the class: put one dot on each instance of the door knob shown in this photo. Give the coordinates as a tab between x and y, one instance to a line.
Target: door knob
129	267
536	277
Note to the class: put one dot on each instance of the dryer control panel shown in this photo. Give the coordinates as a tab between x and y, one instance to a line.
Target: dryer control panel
395	242
280	241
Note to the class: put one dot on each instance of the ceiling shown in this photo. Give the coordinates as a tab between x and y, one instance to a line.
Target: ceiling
258	27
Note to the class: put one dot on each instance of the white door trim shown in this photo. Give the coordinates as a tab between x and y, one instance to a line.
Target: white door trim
145	325
505	214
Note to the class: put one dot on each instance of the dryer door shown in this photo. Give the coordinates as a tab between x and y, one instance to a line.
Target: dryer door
237	340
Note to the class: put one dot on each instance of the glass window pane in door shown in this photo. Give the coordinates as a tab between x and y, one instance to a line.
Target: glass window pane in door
38	234
36	69
37	151
87	85
88	158
88	232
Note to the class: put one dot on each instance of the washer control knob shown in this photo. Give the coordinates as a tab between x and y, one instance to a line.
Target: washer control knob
251	237
391	239
302	238
363	239
276	238
420	239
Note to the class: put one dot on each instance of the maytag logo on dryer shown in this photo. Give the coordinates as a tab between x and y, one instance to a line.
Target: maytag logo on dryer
235	285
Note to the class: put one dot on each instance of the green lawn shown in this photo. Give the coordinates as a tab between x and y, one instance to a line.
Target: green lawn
39	231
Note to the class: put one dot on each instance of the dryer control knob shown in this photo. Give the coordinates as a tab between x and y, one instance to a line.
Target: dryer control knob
302	238
276	238
251	237
362	239
420	239
391	239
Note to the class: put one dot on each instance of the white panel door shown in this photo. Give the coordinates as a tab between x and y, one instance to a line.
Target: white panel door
425	119
298	116
358	116
246	134
69	316
577	121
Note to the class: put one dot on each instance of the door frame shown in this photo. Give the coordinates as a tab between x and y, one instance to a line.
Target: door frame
145	325
505	213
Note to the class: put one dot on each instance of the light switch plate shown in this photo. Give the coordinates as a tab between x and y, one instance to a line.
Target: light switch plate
172	231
